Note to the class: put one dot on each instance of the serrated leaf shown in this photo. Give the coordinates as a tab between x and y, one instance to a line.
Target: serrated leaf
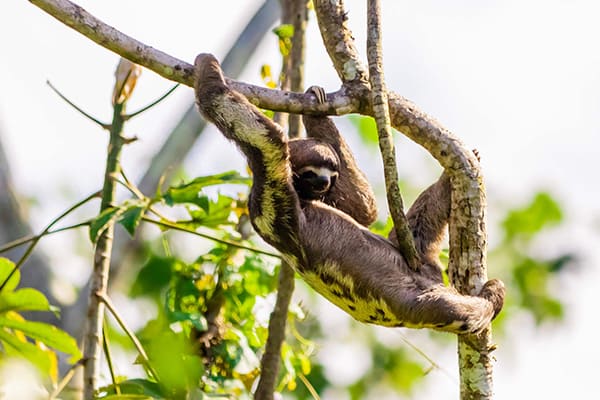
26	299
45	333
100	223
6	267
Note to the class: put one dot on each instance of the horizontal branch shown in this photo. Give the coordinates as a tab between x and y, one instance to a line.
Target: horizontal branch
180	71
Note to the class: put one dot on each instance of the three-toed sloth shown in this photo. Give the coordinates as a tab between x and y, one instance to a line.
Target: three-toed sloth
311	202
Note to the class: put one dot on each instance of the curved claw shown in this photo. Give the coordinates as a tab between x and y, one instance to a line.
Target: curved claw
319	93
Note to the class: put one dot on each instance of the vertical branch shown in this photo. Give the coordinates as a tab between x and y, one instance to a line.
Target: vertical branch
467	271
296	13
381	114
102	254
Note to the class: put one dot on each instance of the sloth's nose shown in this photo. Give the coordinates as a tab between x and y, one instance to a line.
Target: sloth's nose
320	182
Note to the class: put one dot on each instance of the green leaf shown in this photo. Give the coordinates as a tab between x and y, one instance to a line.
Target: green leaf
543	211
100	223
131	217
37	356
133	389
172	357
6	267
215	214
188	193
284	31
26	299
154	276
366	127
196	319
45	333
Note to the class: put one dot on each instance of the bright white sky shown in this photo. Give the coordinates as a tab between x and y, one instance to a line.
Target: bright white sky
518	80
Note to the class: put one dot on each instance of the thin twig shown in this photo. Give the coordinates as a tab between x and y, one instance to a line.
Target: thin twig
379	102
65	380
36	239
311	389
149	106
69	102
108	354
102	257
173	226
24	240
136	342
426	357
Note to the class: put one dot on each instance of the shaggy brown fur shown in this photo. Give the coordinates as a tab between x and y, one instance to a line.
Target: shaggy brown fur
362	273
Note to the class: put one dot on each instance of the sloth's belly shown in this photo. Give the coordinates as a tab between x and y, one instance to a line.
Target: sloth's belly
340	290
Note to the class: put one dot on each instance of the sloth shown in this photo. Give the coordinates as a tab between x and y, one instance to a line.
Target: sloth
324	168
323	238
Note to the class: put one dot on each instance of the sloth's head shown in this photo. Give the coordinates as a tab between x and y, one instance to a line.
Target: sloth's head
315	166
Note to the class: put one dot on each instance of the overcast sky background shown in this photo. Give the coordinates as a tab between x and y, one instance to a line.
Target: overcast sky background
519	80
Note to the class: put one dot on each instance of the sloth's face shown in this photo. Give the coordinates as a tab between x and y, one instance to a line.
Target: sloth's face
312	183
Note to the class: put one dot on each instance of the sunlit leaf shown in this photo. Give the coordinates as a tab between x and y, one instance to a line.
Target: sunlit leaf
6	267
12	345
188	192
45	333
284	33
26	299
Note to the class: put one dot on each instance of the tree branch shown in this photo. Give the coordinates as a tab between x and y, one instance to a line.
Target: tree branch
176	70
102	254
468	236
381	113
339	42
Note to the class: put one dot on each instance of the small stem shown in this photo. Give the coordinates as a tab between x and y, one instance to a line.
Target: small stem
149	106
65	380
381	113
102	258
69	102
311	389
136	342
28	239
173	226
108	354
36	239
